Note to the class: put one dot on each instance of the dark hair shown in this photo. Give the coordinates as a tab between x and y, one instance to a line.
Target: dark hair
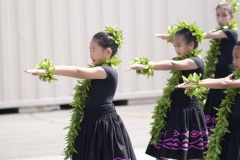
188	37
104	40
226	5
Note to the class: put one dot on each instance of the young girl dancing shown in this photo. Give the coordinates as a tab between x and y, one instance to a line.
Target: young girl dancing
218	60
179	130
225	141
96	131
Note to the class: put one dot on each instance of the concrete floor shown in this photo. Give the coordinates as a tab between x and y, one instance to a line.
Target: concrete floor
40	135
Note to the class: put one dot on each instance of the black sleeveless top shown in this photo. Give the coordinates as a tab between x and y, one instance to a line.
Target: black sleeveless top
103	90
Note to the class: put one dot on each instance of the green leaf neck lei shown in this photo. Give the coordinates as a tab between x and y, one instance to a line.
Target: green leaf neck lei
211	58
164	103
221	128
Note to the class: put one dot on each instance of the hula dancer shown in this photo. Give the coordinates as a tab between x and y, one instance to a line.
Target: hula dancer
179	130
225	141
96	131
218	59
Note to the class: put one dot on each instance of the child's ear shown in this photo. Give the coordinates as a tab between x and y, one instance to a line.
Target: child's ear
192	45
108	51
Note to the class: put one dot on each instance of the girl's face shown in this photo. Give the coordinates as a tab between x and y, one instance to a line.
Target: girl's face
236	57
180	45
97	53
224	17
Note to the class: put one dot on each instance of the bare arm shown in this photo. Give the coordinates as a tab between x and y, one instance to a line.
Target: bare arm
216	34
163	36
74	72
220	83
187	64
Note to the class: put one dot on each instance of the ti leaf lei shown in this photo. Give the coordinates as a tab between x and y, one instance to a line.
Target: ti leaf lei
193	28
49	67
211	58
148	71
221	128
196	90
78	104
234	4
115	35
163	104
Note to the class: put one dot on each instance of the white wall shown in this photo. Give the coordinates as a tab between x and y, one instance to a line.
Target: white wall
62	29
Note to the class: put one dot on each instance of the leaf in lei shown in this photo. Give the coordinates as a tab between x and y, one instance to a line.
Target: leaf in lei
193	28
148	71
211	58
196	90
235	5
163	104
47	65
115	35
221	128
78	104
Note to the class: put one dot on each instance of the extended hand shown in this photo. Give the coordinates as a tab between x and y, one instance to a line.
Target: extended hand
35	71
184	85
136	67
163	36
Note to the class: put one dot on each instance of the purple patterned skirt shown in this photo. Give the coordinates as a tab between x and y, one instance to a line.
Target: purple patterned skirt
185	135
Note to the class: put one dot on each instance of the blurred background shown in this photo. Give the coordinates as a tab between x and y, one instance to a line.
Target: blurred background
61	30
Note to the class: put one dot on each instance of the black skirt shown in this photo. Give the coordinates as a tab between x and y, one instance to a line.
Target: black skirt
185	135
103	136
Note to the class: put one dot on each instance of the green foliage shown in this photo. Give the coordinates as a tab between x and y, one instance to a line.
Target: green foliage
235	5
78	104
47	65
211	56
221	128
111	62
80	96
196	90
148	71
116	36
193	28
164	103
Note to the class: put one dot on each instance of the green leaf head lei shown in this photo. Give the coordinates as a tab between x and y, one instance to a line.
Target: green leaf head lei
116	36
193	28
235	5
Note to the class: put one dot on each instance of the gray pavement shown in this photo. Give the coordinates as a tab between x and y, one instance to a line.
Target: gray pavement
40	135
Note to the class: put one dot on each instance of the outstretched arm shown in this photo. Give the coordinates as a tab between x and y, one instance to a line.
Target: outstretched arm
163	36
216	34
220	83
187	64
74	72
